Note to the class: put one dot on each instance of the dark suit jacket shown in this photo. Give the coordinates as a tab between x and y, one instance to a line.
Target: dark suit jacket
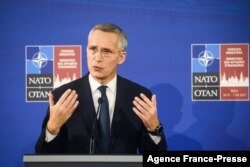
128	134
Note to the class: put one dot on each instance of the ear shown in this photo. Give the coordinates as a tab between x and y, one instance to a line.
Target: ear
122	57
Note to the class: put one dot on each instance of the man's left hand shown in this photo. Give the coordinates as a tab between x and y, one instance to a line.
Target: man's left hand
147	111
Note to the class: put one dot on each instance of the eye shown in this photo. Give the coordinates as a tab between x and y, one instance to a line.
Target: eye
106	51
93	49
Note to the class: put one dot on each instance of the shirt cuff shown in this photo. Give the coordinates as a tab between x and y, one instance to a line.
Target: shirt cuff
48	136
156	139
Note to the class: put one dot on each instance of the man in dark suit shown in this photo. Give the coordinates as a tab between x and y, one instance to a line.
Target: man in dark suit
73	124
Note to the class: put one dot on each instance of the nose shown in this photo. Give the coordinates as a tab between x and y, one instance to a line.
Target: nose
98	56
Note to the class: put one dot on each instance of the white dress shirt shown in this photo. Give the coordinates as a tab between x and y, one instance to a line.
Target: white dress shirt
110	92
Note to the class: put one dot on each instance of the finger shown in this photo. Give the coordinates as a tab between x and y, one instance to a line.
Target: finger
137	103
72	101
64	96
51	100
67	102
142	103
139	114
72	109
146	99
153	99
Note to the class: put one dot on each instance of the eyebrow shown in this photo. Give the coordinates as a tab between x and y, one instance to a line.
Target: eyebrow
103	49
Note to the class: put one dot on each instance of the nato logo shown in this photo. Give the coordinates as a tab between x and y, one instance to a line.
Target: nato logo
39	72
49	67
39	60
205	71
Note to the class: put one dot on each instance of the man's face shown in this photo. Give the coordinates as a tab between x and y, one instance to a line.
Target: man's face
104	56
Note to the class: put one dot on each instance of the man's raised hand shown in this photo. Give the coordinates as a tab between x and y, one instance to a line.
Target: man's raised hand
62	110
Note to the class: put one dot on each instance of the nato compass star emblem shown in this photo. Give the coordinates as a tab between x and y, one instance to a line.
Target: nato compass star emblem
206	58
39	60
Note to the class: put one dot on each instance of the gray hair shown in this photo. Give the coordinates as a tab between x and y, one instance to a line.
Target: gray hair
122	43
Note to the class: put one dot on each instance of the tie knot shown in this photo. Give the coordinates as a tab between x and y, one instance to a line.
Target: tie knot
102	89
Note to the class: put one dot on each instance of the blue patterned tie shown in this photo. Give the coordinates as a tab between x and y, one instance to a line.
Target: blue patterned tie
104	122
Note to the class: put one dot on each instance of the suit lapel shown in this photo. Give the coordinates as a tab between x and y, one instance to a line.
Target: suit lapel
117	124
86	106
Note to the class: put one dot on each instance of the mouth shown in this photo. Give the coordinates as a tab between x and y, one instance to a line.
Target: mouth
96	68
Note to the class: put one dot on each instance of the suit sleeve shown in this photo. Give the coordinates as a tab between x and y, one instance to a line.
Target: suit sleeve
53	147
147	144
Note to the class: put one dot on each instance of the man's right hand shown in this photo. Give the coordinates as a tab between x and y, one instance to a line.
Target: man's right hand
62	110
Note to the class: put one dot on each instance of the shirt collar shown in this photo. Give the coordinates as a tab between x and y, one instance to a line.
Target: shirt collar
94	85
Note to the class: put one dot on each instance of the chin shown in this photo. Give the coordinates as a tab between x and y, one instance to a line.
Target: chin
97	75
